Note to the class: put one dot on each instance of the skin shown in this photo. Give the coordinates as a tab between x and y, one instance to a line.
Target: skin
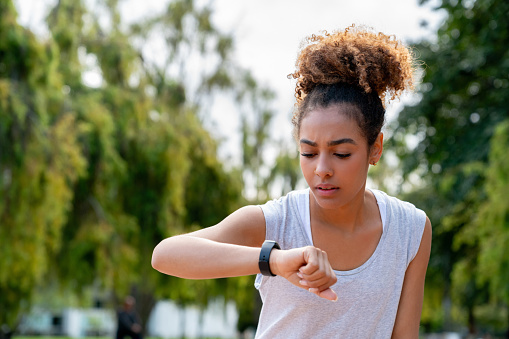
345	223
345	220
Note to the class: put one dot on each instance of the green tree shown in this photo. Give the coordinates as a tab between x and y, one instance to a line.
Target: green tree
464	98
150	159
92	178
493	219
286	172
254	103
40	161
487	229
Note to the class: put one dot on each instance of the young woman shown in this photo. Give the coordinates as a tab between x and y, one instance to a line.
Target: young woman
335	260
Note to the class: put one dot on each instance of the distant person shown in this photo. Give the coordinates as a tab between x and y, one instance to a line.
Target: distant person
129	324
335	240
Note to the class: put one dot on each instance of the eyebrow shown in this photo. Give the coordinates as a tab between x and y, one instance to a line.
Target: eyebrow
330	143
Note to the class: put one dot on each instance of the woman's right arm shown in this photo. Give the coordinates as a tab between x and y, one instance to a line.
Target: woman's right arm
230	248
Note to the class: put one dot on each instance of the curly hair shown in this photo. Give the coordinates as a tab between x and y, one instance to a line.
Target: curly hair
354	66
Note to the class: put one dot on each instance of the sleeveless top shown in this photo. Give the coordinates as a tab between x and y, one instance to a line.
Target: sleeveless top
368	296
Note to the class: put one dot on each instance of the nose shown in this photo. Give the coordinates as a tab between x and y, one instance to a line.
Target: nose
323	168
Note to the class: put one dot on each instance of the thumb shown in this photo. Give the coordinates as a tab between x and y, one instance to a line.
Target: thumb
326	294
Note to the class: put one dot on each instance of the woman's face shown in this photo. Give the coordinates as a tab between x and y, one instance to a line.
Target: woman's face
334	155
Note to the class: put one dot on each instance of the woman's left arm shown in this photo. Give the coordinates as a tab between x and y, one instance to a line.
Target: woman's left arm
410	305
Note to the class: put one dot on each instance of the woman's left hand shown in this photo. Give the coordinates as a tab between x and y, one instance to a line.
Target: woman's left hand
306	267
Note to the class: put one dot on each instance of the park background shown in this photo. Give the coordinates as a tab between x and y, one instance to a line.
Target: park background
124	122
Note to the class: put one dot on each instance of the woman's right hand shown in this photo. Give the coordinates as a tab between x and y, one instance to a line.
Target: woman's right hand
305	267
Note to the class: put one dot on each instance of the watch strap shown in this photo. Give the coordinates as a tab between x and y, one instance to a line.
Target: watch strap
263	262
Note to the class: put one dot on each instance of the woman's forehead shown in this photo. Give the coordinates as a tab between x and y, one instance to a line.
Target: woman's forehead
329	124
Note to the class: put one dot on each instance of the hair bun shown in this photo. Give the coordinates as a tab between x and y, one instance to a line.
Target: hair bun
357	56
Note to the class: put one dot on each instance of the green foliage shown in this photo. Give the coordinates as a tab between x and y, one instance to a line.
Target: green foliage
286	171
463	89
40	160
256	116
91	179
463	101
493	219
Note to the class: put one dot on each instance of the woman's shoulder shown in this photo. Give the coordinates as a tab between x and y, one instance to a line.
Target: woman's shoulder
393	201
290	197
405	221
292	203
399	209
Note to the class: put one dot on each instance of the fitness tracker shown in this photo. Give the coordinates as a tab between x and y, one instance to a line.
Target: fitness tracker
263	262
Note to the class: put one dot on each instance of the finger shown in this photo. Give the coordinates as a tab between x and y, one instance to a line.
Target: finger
312	257
321	279
322	283
328	294
317	268
304	283
310	267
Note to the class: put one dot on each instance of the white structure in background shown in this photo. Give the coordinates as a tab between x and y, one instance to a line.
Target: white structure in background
71	322
218	320
77	323
166	321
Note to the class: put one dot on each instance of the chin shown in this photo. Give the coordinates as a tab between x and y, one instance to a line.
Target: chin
330	202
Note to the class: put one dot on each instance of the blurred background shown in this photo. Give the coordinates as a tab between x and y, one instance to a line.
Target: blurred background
125	122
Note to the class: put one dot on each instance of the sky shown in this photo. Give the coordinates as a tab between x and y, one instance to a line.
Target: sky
268	34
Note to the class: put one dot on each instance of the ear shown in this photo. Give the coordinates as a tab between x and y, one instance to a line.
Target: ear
377	149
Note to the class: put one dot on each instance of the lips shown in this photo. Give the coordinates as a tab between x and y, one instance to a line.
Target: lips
326	188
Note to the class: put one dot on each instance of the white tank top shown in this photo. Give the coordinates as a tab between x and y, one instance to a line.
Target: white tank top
368	296
303	207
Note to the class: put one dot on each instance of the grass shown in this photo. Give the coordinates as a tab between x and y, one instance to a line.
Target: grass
62	337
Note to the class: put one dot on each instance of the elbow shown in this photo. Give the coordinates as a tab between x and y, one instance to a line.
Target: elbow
168	257
163	257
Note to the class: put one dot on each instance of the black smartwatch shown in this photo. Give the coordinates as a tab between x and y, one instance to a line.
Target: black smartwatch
263	262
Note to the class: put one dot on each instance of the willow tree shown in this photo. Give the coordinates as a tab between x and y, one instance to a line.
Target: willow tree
40	161
153	169
93	177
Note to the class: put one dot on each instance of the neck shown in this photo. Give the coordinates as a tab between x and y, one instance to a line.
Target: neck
347	218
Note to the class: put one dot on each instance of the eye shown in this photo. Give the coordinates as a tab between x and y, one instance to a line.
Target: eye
343	155
307	155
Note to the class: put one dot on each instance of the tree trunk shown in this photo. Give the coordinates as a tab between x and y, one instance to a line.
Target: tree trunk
447	305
